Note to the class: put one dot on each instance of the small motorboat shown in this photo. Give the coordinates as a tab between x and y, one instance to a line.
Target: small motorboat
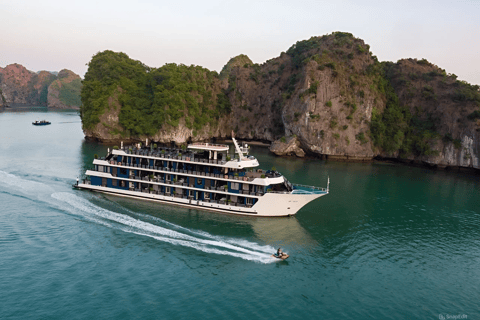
283	256
41	123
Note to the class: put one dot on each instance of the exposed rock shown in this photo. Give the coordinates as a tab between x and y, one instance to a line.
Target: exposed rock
21	86
15	82
64	93
290	147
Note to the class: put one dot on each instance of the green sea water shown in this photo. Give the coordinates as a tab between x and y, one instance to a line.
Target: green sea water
388	242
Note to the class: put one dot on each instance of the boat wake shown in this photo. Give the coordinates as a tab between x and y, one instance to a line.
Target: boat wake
168	233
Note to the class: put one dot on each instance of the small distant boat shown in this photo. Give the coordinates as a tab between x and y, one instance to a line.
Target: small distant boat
41	123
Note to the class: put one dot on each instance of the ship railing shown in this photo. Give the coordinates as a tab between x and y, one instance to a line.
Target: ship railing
185	156
199	144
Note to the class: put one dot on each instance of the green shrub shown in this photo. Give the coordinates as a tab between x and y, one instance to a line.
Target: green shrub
361	49
296	115
313	88
457	143
283	139
474	115
328	103
331	65
333	124
447	137
361	137
424	62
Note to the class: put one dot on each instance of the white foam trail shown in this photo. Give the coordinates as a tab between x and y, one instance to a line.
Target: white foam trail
28	187
201	240
129	224
237	242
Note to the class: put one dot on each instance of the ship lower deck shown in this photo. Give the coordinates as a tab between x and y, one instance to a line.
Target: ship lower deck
270	205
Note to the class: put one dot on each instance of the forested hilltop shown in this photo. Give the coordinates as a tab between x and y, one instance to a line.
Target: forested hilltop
327	96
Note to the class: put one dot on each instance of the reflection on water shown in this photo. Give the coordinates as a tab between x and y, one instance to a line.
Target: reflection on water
281	232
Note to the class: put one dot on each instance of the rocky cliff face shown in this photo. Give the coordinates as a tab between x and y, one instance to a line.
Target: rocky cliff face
319	91
21	86
327	96
449	106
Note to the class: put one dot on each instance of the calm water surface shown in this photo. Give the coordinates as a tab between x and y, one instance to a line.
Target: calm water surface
388	242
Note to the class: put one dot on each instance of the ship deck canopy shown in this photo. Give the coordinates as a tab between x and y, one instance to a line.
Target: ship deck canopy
209	147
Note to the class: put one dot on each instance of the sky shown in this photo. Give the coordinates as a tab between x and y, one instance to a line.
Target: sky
53	35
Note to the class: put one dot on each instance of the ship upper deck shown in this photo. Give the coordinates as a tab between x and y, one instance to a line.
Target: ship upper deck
209	147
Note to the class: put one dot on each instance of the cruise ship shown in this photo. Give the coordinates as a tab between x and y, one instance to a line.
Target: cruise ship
200	175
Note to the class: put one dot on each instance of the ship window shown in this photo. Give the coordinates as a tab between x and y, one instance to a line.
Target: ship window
123	171
104	182
167	189
234	185
199	181
114	182
122	183
249	201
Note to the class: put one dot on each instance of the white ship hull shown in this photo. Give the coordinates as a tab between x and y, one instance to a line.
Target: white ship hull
269	205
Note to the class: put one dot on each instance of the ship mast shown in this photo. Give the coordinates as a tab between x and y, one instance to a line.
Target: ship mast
239	151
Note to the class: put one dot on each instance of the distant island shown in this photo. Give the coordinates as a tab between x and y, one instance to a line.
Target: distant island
57	90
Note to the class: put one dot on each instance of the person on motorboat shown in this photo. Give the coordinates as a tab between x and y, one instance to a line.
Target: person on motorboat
279	252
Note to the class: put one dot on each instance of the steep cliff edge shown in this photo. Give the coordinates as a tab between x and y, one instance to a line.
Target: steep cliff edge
441	113
21	86
327	96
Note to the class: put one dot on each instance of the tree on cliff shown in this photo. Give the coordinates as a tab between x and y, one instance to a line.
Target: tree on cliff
150	98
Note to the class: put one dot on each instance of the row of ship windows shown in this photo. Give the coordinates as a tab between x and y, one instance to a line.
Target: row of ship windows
176	177
177	191
132	161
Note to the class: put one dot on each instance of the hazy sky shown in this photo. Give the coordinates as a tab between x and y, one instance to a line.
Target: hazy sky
52	35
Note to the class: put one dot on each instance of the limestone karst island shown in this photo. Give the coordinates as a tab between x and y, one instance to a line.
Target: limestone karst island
328	96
